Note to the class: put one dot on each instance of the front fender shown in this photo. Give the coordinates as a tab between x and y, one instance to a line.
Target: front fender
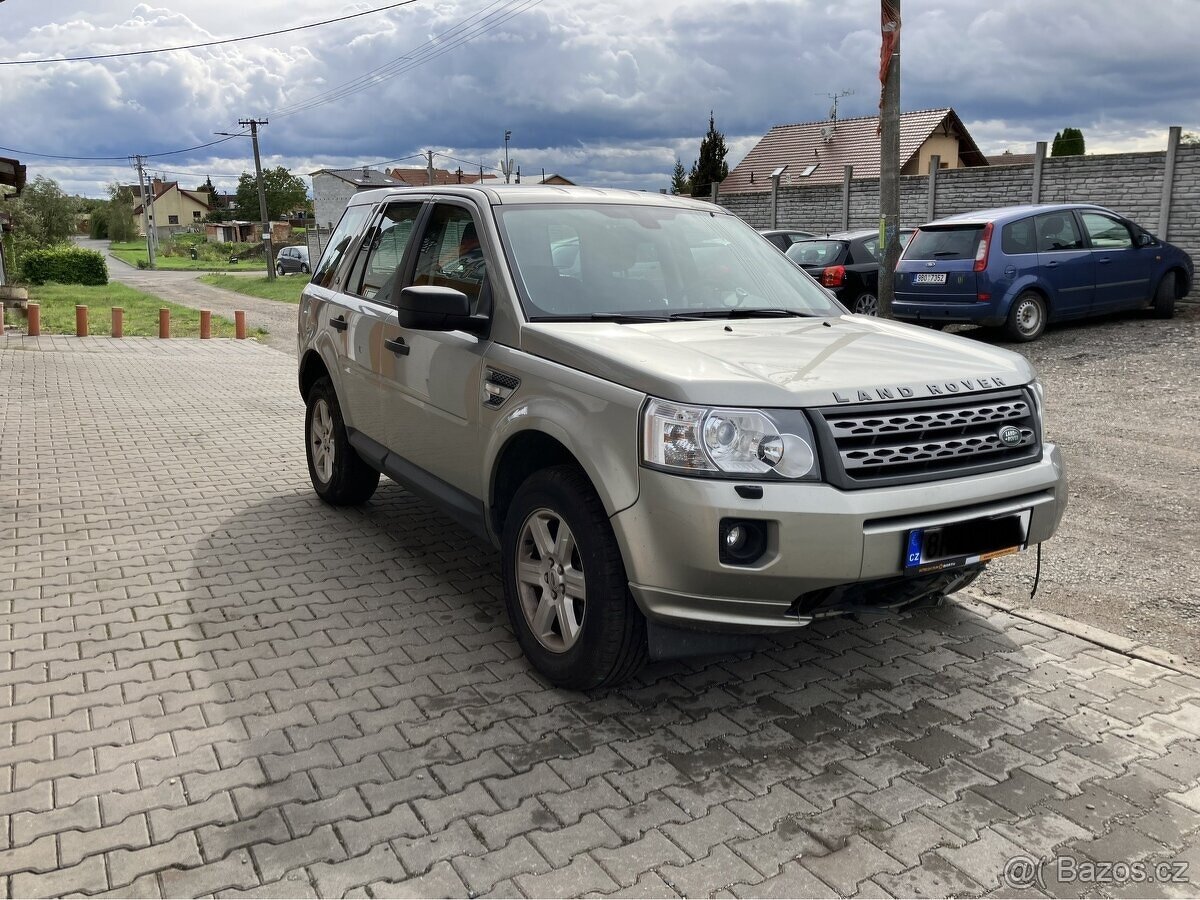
596	420
314	339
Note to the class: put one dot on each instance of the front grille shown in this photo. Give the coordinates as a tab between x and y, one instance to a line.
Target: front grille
896	443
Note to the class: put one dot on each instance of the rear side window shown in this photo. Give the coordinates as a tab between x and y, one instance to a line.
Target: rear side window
349	225
944	242
1018	237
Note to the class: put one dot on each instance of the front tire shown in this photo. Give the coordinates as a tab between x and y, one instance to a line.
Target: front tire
565	586
867	304
279	269
1164	297
1027	318
303	268
338	473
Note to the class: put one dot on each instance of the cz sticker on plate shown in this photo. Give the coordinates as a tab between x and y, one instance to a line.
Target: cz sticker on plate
965	543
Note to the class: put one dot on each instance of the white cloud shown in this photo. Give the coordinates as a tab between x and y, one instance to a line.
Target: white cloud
608	92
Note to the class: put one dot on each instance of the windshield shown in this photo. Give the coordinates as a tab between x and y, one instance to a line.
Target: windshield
607	261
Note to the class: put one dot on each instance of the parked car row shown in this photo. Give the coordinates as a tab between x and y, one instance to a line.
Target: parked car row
1017	268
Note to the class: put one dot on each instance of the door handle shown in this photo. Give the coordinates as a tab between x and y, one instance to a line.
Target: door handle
1103	260
339	323
1053	264
397	346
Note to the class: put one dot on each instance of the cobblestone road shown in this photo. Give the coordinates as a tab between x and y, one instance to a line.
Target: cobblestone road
210	683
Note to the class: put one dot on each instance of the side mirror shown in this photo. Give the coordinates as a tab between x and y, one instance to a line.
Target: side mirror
429	307
1146	239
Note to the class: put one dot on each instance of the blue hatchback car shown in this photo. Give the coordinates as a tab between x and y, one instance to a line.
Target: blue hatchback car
1022	267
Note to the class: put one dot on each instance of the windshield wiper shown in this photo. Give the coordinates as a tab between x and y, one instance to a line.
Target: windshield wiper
750	312
600	317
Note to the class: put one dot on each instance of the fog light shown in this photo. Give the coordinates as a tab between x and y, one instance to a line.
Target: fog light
735	537
742	541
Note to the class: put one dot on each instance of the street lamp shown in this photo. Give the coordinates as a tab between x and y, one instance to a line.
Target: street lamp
507	135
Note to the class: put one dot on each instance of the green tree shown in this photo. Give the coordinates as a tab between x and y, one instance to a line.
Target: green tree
51	212
98	227
285	192
210	192
679	179
1068	142
119	223
1189	139
711	166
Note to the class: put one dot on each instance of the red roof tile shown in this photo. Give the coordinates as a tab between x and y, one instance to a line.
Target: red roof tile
853	142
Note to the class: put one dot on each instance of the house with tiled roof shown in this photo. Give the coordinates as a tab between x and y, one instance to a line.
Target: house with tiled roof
333	188
818	152
419	177
174	207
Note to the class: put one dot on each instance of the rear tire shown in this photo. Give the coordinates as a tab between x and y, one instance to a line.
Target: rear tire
1164	297
565	585
338	473
867	304
1027	318
304	268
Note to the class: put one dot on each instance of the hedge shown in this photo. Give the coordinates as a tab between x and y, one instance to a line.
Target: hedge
66	265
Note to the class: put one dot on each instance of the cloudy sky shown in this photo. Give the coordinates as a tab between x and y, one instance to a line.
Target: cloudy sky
606	92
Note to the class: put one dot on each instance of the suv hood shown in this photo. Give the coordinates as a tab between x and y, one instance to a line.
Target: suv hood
778	362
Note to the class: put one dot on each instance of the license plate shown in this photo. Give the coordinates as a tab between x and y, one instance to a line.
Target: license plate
929	278
965	543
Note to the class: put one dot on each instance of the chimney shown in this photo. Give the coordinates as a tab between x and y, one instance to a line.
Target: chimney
366	173
157	186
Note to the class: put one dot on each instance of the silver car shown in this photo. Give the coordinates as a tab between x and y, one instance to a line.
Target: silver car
671	433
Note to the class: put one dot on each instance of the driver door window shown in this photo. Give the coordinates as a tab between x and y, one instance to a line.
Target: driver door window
450	254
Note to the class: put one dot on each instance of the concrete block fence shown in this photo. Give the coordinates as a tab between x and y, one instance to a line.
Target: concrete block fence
1133	184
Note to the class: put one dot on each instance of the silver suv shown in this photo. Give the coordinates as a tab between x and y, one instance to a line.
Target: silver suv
671	433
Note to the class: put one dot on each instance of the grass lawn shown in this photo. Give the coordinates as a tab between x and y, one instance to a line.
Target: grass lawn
141	312
182	262
286	287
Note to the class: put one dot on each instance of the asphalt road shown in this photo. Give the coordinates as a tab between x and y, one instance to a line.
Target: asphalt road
182	287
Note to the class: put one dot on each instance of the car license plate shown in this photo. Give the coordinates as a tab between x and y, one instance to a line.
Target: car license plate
929	278
965	543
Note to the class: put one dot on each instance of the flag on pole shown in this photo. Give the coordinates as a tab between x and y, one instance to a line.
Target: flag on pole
889	27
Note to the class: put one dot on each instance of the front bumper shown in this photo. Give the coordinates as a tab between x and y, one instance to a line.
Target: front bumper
819	537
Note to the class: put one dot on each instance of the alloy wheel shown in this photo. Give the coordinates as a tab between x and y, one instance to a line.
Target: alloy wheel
321	439
550	581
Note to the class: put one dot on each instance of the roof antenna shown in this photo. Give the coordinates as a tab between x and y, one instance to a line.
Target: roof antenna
835	98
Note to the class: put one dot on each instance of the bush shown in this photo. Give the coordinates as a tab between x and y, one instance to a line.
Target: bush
65	265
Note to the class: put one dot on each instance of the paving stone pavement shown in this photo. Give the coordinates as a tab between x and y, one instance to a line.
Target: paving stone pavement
212	684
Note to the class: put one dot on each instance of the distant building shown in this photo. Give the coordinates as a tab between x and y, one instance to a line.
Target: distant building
174	208
818	152
415	177
333	188
1008	158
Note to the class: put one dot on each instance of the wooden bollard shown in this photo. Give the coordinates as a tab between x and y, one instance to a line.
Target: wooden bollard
239	324
1	317
118	321
205	324
34	310
81	321
164	323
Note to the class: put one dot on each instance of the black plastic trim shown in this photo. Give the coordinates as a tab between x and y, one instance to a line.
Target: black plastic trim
460	506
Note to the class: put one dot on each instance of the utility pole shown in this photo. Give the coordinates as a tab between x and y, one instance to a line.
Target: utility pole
429	164
145	210
268	244
507	168
889	152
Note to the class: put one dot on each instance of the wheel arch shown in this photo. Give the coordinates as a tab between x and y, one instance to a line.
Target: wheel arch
1182	283
523	454
1033	286
311	369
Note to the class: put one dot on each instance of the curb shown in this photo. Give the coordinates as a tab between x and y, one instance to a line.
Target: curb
1090	633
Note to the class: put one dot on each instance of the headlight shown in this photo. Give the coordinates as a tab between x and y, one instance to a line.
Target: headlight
745	442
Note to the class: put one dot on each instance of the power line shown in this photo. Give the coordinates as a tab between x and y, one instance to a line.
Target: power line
466	162
460	34
249	37
127	156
